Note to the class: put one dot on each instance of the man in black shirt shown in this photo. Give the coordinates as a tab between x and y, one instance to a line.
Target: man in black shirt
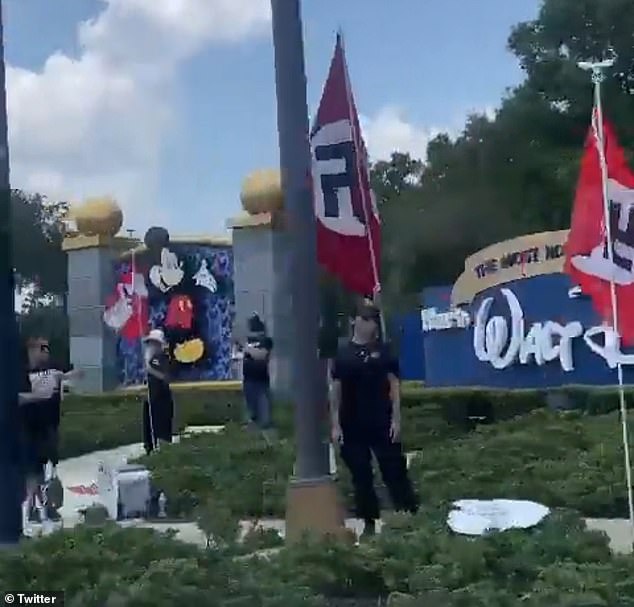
158	407
255	373
366	417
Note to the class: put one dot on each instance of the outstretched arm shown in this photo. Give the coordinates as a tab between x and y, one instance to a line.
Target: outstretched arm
73	374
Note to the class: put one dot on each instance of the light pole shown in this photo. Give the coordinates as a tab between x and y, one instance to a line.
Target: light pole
312	501
10	469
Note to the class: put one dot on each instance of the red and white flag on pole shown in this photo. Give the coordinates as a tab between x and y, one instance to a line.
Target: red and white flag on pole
348	226
588	259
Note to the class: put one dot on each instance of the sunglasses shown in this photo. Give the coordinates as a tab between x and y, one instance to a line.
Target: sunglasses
41	347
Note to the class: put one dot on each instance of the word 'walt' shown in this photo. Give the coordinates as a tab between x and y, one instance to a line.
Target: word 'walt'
519	258
544	342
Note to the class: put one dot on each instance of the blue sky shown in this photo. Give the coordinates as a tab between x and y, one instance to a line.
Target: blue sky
169	110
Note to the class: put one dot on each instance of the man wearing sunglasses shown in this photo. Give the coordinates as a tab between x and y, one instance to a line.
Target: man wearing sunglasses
39	398
366	417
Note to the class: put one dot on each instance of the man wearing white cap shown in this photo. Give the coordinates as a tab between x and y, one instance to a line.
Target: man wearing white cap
158	407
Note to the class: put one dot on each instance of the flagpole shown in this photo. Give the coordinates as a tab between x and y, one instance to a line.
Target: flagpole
598	76
356	136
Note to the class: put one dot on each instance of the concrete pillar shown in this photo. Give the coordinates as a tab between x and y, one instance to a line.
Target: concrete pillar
90	280
260	285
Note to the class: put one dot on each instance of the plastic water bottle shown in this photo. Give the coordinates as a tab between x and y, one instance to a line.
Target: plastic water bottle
162	505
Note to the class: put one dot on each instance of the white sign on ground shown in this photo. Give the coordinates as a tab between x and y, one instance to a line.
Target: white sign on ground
478	517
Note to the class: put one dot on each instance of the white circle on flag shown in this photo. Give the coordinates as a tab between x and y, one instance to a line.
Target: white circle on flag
345	223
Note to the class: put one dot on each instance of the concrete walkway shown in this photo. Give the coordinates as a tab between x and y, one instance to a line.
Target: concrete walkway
618	530
79	476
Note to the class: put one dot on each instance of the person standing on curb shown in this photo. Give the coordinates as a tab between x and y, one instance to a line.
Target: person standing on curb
158	406
366	418
256	382
40	404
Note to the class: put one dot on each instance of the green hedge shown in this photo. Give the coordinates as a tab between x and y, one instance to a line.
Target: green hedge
414	562
90	423
569	460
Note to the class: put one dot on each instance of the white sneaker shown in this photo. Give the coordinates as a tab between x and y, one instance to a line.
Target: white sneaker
48	527
32	530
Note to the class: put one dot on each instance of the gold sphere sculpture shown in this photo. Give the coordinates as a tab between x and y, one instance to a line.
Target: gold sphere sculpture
100	216
262	192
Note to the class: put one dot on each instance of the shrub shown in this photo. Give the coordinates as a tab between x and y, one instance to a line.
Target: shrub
568	460
414	561
235	468
418	562
135	567
91	423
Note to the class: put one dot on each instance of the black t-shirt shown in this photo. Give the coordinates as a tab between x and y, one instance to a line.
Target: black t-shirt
41	414
159	389
257	370
365	388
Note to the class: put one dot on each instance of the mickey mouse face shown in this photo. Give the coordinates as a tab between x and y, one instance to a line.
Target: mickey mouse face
169	273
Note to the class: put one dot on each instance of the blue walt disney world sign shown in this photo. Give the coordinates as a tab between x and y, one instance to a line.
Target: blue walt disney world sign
514	320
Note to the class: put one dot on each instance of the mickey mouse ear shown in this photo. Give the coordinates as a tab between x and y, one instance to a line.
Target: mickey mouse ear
156	238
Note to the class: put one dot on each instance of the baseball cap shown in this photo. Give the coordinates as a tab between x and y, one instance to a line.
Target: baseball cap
155	335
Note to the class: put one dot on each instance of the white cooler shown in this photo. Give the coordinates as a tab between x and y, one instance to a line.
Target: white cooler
124	490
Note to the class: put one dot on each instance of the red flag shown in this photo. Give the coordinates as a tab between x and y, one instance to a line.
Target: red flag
587	253
348	226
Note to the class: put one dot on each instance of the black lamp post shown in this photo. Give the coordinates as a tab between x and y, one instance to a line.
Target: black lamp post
11	476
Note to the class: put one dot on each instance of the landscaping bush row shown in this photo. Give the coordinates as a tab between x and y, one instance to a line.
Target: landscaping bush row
91	423
571	460
414	561
568	460
106	421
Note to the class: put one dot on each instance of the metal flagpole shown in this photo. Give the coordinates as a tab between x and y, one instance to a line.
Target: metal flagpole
356	136
295	163
10	471
312	502
143	352
598	76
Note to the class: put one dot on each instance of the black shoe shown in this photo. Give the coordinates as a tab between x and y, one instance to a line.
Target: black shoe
53	514
34	515
369	529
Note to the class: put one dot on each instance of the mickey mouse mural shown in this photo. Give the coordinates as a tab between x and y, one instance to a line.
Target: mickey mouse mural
184	288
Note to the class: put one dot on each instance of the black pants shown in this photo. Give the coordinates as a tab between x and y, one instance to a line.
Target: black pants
39	446
356	452
159	427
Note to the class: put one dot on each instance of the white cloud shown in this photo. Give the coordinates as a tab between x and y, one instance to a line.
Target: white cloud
95	124
389	131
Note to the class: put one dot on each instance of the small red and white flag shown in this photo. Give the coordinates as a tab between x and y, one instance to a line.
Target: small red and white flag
348	225
588	259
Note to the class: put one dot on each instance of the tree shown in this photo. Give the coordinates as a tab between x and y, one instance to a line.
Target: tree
516	173
391	178
40	266
38	232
